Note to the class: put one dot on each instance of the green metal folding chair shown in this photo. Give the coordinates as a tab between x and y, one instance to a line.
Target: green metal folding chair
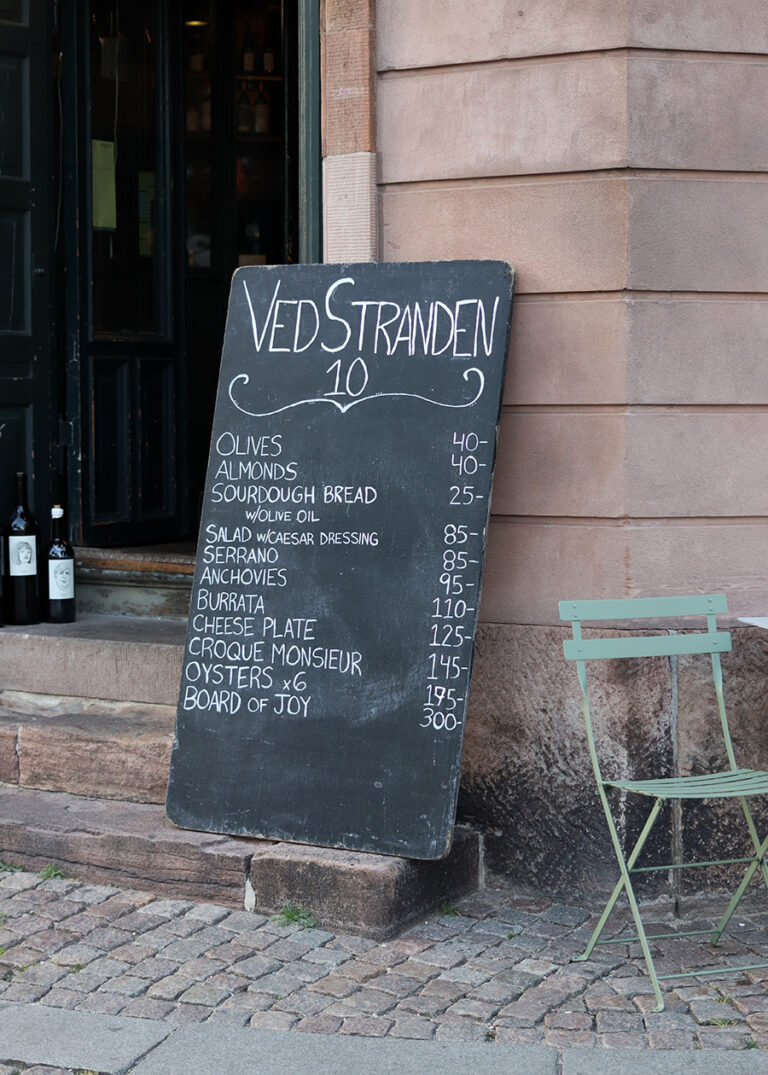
734	782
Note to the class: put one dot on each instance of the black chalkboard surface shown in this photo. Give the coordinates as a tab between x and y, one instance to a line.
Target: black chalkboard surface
326	673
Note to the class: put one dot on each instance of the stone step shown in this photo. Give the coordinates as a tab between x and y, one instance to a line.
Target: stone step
134	845
153	581
118	658
115	750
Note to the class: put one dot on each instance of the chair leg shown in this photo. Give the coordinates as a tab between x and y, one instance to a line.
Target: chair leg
760	850
625	883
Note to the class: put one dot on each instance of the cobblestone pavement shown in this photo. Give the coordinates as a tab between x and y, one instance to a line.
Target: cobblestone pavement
493	967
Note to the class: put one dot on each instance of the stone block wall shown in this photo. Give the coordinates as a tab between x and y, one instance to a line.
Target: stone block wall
617	155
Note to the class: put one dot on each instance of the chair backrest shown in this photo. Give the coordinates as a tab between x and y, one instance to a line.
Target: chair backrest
670	644
645	608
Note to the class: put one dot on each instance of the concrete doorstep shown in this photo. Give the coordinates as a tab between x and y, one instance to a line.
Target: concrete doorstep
133	844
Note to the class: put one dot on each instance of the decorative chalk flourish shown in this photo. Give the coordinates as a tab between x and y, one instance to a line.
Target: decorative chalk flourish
344	407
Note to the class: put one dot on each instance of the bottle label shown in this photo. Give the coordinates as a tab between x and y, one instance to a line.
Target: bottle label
61	579
22	554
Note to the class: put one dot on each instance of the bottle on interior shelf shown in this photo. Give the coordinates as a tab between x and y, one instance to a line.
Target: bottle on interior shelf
205	109
61	572
268	57
248	54
21	585
196	53
271	50
244	112
192	118
262	118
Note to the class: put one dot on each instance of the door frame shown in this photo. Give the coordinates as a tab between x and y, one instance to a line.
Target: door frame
27	202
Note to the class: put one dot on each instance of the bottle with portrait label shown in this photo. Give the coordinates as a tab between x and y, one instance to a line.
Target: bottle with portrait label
61	572
21	580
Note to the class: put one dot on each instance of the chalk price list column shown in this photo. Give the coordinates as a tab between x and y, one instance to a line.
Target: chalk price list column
455	603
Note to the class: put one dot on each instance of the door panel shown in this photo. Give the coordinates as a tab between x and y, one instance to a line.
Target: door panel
124	308
156	436
26	320
110	406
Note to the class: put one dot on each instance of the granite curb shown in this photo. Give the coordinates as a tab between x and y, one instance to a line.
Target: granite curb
55	1042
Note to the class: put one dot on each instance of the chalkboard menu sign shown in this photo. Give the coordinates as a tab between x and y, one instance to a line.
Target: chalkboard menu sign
326	672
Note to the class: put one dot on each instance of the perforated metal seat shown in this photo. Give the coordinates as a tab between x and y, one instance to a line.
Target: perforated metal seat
732	783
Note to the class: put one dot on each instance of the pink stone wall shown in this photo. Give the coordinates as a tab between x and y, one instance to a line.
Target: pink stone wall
616	153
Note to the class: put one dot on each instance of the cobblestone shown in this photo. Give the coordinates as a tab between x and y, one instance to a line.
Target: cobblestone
714	1013
147	1008
256	967
427	1006
167	908
464	975
62	998
334	986
200	993
272	1020
456	1029
188	948
722	1038
451	977
155	968
570	1039
75	955
373	1027
566	1020
25	992
169	988
319	1024
248	1002
622	1040
126	986
372	1001
612	1022
200	969
358	970
103	1003
188	1013
209	913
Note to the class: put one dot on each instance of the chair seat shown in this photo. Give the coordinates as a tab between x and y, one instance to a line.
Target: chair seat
728	784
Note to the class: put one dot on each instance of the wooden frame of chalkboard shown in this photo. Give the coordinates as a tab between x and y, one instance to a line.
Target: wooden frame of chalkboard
326	674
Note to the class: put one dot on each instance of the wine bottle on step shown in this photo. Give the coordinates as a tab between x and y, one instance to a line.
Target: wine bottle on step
61	572
21	578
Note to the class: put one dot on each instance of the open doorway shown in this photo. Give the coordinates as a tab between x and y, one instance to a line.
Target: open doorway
184	131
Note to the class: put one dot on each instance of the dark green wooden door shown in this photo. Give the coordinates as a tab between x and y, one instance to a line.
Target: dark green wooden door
27	419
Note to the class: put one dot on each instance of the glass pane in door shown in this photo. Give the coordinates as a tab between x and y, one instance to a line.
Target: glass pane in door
200	88
129	219
259	119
